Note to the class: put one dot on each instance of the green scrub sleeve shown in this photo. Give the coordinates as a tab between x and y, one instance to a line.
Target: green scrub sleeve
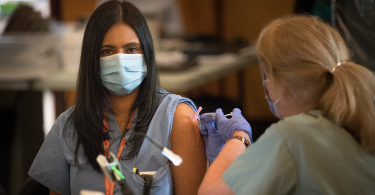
266	167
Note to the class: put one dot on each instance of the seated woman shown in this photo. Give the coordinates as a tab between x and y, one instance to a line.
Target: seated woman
325	142
119	100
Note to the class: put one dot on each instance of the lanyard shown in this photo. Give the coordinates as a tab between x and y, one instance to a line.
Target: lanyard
110	186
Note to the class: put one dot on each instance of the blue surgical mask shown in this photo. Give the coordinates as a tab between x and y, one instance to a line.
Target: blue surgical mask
121	74
273	105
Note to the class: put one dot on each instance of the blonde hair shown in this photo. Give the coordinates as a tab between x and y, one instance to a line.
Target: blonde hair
300	53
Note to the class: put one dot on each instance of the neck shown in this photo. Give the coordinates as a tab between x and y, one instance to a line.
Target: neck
290	107
121	105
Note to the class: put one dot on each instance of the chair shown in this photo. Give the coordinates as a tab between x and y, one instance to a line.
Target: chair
31	187
2	190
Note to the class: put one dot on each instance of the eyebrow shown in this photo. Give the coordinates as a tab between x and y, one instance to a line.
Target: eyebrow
127	45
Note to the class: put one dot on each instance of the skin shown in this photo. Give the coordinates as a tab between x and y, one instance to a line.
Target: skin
213	182
287	104
187	142
185	138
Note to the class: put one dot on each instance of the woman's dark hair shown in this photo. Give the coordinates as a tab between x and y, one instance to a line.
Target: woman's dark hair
92	102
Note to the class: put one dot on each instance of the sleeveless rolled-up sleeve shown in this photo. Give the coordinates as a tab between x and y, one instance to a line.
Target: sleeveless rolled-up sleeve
266	167
50	166
188	102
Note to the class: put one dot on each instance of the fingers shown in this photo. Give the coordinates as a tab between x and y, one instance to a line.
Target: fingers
203	130
208	123
236	111
219	113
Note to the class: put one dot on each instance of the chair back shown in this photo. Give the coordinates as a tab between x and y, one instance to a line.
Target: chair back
31	187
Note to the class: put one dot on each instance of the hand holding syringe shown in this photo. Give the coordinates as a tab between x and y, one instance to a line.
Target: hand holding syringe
201	121
208	129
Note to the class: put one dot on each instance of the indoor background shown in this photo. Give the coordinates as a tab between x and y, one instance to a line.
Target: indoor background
212	33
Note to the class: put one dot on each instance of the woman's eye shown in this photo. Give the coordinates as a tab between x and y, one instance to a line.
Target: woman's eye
132	50
106	52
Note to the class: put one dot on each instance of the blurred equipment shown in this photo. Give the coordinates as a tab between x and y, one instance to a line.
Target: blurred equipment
29	51
26	57
355	20
25	19
112	171
165	14
321	8
210	45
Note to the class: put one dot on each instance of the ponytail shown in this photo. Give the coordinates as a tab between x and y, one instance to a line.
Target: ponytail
350	102
301	53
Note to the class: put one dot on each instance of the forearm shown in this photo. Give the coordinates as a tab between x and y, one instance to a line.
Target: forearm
213	182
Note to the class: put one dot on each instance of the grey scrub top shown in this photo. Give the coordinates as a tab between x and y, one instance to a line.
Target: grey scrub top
303	154
54	164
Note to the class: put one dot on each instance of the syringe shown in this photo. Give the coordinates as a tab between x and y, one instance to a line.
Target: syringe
212	115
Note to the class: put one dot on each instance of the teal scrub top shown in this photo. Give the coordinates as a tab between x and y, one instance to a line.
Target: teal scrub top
303	154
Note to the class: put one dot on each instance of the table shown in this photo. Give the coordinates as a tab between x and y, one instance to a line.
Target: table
178	81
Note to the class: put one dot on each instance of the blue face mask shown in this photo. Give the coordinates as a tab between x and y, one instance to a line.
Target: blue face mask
273	105
121	74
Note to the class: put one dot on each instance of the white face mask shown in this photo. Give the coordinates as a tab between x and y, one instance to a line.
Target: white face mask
121	74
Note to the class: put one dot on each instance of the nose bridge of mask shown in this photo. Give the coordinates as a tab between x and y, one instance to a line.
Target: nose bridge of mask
123	63
132	62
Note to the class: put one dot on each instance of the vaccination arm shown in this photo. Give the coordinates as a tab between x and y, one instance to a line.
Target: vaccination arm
187	142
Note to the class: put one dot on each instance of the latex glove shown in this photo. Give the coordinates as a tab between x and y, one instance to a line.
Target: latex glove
213	140
226	126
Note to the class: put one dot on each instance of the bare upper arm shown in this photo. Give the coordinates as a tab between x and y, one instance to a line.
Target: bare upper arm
187	142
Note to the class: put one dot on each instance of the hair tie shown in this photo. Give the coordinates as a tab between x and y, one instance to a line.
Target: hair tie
337	65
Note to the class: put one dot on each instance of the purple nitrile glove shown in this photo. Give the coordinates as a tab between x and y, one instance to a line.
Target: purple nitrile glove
213	140
226	126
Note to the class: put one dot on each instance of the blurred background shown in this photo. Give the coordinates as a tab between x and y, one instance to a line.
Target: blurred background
205	50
